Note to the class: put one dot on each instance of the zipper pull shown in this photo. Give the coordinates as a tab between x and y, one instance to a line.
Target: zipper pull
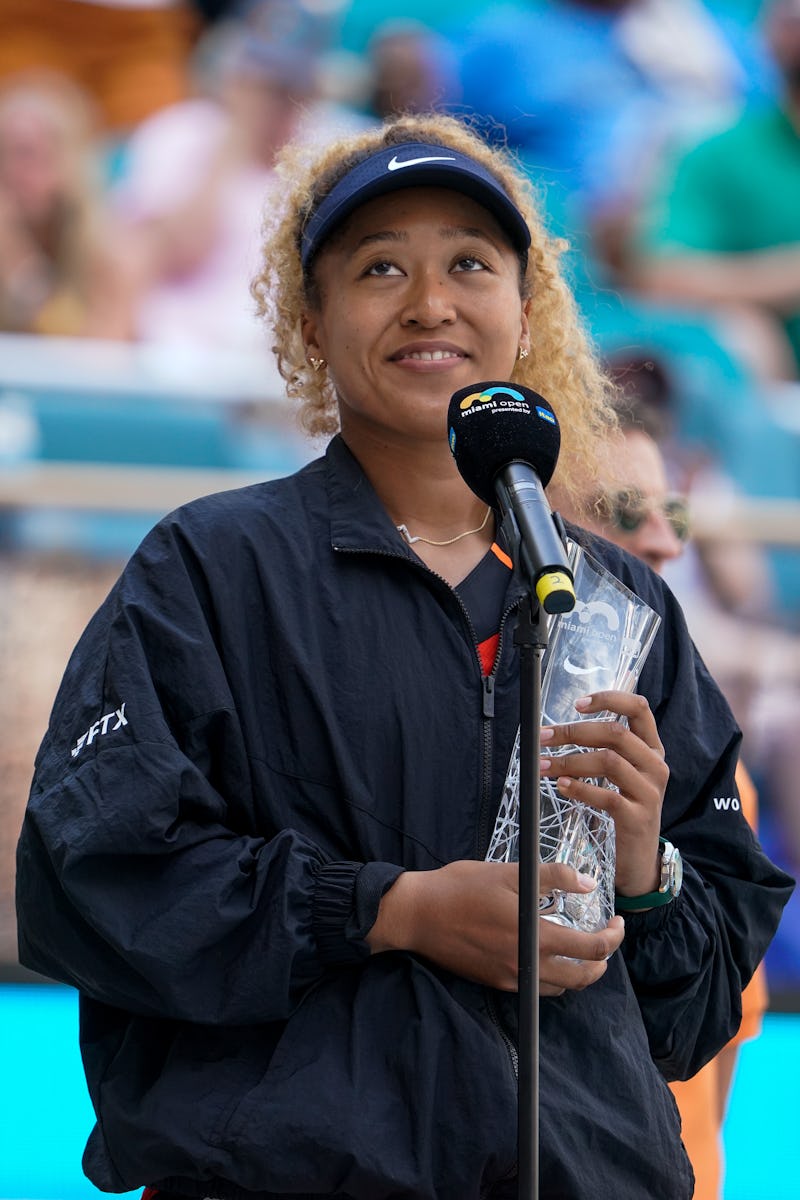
488	695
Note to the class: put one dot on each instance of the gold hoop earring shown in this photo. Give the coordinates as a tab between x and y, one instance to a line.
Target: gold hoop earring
522	354
318	364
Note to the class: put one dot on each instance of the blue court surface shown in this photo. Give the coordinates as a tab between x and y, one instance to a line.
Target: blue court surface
45	1113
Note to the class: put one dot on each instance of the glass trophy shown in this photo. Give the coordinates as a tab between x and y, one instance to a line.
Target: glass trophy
601	645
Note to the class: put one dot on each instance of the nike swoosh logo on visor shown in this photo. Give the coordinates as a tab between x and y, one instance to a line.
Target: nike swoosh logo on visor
396	165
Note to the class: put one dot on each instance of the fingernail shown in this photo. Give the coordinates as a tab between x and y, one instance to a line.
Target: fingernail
564	783
546	734
587	882
544	763
584	702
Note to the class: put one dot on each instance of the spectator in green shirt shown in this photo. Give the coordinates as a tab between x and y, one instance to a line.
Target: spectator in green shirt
724	230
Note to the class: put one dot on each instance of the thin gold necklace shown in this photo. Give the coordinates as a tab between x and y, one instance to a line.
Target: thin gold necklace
403	529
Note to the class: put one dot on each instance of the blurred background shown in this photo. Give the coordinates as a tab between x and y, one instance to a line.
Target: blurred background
137	141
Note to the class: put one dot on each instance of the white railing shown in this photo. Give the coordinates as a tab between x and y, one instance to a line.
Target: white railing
86	366
204	377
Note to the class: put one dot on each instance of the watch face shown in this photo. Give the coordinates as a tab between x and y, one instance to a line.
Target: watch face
677	871
671	869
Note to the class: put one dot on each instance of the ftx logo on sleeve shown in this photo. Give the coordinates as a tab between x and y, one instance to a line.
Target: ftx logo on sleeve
107	724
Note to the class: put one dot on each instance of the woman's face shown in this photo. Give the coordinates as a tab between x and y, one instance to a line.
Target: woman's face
419	296
31	159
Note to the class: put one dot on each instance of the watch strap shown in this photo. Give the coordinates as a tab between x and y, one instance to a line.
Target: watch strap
670	886
648	900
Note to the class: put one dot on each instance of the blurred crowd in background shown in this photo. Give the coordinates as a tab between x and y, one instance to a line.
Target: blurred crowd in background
137	147
137	140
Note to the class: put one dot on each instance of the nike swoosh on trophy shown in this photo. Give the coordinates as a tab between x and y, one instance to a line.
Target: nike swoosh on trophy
572	669
396	165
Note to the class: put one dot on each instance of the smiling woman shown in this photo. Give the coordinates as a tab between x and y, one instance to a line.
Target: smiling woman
427	299
402	157
267	873
425	267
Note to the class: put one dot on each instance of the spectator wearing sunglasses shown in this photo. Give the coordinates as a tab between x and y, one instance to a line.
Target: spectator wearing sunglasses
726	586
638	512
641	514
629	509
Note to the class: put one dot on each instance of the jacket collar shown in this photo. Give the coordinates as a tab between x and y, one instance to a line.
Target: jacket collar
358	519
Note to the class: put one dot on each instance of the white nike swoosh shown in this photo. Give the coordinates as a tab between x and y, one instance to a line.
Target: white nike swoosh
396	165
571	669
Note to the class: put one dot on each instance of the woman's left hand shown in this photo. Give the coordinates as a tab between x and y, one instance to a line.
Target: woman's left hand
633	760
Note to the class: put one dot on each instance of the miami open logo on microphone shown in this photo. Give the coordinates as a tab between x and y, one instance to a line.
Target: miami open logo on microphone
504	398
508	397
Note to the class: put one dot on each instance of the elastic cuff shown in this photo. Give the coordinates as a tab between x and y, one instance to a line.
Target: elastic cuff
372	882
344	908
639	924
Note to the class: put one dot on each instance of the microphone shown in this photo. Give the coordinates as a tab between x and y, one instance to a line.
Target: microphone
505	440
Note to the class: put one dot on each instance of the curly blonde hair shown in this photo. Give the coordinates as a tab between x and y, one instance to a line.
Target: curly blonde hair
561	365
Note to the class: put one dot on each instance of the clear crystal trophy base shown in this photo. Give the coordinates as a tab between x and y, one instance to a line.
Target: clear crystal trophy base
583	838
571	833
606	639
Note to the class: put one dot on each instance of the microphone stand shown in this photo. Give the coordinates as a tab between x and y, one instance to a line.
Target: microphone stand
531	637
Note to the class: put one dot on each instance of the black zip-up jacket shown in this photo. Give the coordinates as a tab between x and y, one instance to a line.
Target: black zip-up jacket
276	710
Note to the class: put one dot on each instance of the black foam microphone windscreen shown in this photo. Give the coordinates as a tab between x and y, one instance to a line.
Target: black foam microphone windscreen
493	424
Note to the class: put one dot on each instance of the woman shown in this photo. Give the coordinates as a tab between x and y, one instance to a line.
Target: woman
61	271
257	831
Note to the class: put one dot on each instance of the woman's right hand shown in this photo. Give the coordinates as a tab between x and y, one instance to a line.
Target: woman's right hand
464	917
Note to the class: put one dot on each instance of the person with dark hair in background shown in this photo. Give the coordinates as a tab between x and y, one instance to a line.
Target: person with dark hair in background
412	69
726	584
257	831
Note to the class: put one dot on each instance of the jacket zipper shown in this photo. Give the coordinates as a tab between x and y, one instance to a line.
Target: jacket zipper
482	835
487	684
482	843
